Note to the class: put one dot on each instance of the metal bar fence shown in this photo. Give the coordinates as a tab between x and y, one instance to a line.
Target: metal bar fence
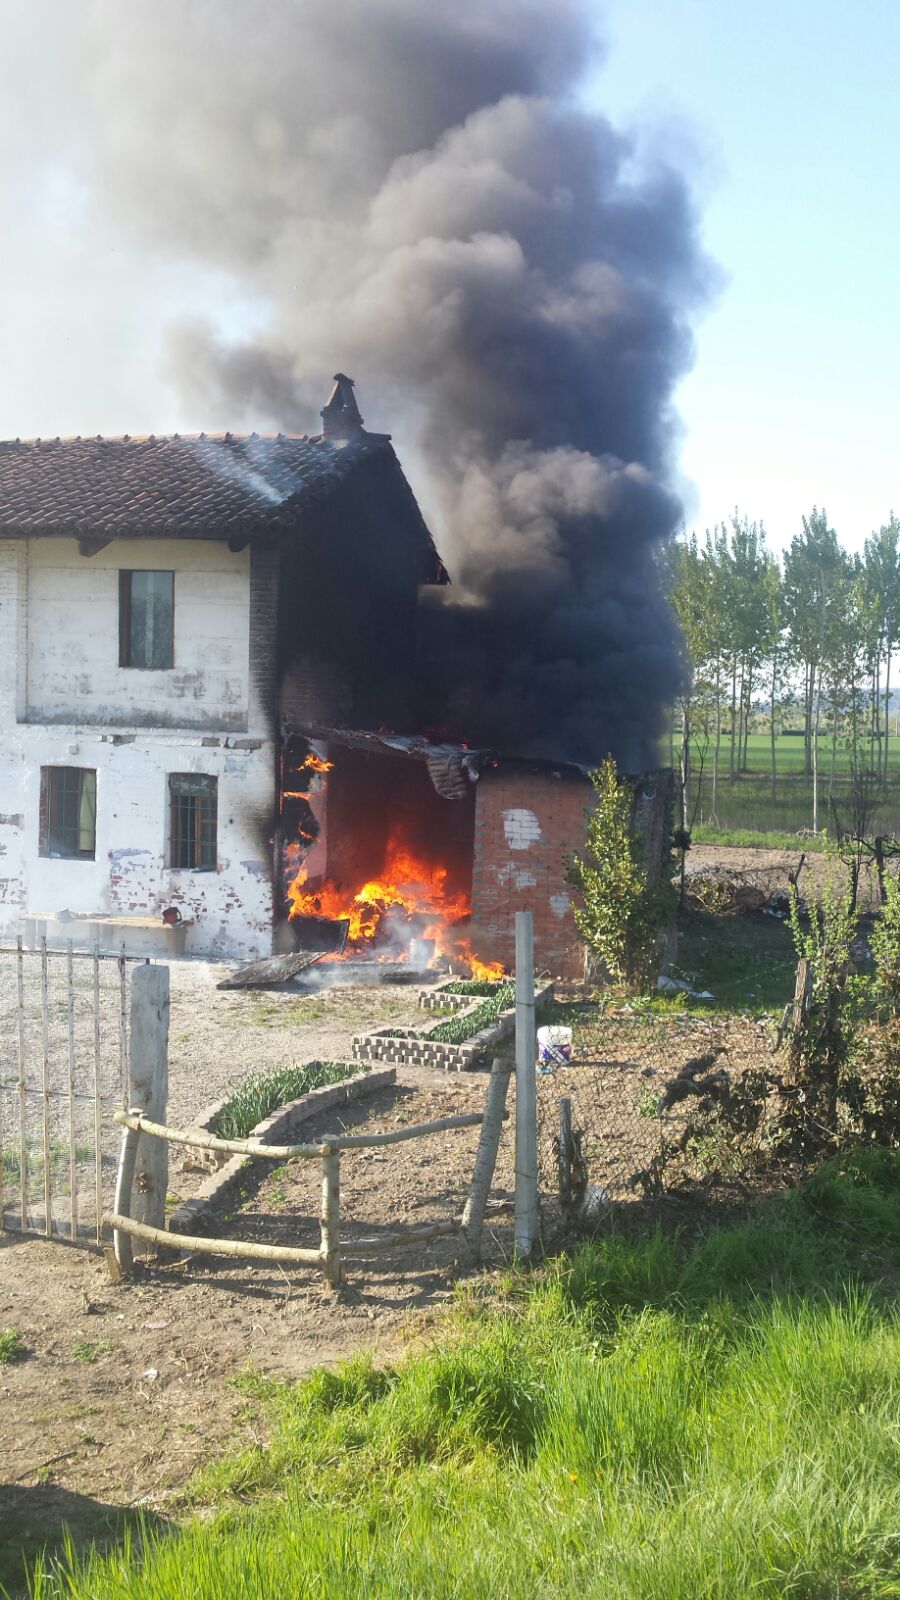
63	1066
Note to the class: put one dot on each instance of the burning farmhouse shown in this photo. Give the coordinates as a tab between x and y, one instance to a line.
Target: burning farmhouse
208	702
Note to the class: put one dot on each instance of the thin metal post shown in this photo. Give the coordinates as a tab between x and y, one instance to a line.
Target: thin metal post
45	1074
73	1173
331	1217
23	1098
526	1230
123	1028
98	1132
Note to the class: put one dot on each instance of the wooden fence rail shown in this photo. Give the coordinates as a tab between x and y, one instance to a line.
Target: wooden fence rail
328	1256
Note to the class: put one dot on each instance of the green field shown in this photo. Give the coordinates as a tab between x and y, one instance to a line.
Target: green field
747	801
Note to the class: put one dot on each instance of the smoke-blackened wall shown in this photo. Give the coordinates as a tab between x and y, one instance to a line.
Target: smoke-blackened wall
413	193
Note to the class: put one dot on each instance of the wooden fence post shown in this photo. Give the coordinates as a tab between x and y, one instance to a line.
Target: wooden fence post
331	1217
148	1055
486	1157
526	1231
123	1248
565	1153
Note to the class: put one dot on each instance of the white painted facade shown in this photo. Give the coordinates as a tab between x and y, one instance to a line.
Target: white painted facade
66	701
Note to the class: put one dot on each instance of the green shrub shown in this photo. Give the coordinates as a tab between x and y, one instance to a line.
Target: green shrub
623	912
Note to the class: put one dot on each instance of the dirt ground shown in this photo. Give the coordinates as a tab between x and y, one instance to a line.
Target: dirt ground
770	868
124	1388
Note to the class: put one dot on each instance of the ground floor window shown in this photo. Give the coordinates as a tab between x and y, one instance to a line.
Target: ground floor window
68	822
193	801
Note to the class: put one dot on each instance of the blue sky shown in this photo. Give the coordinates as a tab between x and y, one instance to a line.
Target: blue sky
788	116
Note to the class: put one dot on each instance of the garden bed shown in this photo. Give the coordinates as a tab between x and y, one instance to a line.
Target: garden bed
483	1016
228	1173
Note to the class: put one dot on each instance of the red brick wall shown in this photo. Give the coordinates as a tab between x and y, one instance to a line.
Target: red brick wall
526	824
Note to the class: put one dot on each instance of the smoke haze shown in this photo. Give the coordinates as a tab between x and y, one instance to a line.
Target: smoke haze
412	194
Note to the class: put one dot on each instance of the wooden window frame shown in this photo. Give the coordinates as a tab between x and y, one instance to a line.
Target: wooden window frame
193	842
49	827
126	574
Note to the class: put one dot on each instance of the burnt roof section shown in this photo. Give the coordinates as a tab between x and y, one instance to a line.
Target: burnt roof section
239	487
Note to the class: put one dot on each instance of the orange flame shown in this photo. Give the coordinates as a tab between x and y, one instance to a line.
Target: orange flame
486	971
409	886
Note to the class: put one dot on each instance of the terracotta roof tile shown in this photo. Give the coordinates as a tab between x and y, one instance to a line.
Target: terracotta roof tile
195	485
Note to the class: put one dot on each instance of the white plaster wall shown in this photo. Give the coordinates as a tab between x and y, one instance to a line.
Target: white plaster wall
230	909
70	658
72	621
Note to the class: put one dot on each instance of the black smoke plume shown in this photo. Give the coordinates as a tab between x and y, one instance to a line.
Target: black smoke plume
414	194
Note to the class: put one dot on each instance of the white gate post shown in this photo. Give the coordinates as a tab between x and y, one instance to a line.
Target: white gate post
526	1090
148	1071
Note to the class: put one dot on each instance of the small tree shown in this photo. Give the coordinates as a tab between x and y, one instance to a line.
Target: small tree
820	1034
885	945
623	911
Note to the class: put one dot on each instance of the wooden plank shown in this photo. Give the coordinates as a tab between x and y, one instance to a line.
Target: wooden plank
274	969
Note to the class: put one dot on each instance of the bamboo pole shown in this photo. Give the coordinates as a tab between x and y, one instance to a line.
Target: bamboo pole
486	1156
284	1254
331	1216
287	1152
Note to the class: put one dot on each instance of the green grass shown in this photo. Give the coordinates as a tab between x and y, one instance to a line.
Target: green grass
747	965
750	839
90	1350
648	1419
12	1346
255	1098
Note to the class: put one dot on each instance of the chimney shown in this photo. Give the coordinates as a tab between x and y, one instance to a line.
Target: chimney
340	416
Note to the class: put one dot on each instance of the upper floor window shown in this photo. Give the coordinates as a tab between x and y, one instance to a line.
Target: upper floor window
147	619
68	821
193	800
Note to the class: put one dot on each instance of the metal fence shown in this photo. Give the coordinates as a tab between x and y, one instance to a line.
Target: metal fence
63	1070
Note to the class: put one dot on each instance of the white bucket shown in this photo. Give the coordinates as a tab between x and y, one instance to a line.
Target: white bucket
554	1046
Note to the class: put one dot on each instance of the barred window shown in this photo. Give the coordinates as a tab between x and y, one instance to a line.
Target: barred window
147	619
193	807
68	812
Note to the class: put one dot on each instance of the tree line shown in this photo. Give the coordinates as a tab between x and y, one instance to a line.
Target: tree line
812	632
